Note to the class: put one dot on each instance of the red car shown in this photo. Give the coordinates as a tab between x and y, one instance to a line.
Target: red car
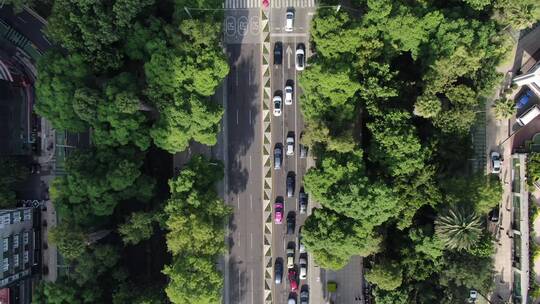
278	212
292	280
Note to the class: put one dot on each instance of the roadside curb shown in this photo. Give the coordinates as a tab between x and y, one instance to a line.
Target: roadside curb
266	149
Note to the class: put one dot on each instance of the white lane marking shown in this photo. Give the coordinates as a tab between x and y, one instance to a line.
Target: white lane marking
252	289
249	77
239	284
250	163
238	202
236	71
251	201
251	240
237	117
250	117
284	244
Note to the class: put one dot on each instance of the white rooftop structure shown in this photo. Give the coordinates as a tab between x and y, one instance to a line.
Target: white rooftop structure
531	79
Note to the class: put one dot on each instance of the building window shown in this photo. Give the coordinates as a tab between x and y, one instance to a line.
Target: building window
6	219
5	244
15	241
25	238
16	216
5	265
25	257
16	261
27	214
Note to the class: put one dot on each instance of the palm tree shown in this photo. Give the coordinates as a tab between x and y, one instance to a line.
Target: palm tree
459	228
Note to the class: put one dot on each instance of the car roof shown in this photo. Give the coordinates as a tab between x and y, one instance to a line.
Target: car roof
278	204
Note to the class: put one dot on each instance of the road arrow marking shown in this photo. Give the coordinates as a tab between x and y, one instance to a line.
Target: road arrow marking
289	52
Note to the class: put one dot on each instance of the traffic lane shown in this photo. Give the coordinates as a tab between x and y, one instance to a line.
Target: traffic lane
245	184
28	25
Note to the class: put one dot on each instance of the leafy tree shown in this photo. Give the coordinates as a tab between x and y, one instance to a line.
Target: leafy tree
478	4
395	144
386	275
138	227
427	106
333	238
11	173
92	264
504	108
59	78
69	238
458	272
484	192
459	228
193	279
519	14
396	296
196	215
339	183
533	168
97	180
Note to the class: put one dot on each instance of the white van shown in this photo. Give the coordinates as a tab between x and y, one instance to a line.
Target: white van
528	115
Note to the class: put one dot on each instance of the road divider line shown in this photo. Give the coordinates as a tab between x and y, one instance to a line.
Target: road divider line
250	118
238	202
251	243
251	201
237	117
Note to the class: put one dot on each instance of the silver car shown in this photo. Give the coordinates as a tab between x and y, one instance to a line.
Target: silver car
278	155
290	145
300	58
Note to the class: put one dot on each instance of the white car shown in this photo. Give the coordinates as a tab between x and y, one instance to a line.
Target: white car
495	162
277	105
289	18
290	258
300	58
290	145
303	268
288	95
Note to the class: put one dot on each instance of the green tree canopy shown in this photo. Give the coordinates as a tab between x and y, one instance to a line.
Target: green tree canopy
333	238
386	275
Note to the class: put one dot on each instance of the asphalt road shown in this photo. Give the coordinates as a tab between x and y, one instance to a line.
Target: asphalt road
244	276
290	122
28	25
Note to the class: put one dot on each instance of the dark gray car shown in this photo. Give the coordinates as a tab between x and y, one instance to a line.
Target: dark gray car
302	201
290	184
278	156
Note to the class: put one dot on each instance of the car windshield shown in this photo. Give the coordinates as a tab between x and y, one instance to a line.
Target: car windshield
277	104
300	59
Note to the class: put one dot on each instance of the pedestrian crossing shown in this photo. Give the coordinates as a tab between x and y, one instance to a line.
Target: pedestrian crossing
240	4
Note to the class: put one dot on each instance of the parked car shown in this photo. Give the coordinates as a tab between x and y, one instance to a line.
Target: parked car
290	184
493	215
293	280
278	212
35	168
290	224
304	296
523	99
529	115
289	19
277	105
278	52
302	201
302	262
290	257
473	296
288	95
303	151
291	301
300	57
495	162
278	271
278	155
290	144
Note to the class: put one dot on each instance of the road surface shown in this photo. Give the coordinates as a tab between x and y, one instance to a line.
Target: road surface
243	186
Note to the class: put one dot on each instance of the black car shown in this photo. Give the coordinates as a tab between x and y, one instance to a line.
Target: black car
290	184
302	201
304	295
278	271
494	215
278	53
290	224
